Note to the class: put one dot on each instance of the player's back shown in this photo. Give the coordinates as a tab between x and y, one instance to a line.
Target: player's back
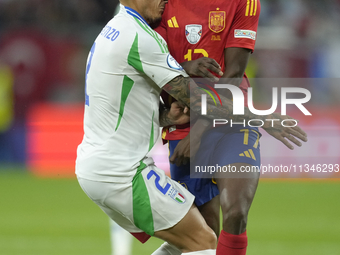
121	108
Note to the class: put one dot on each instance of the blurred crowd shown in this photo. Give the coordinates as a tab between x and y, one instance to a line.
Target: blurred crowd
44	46
55	13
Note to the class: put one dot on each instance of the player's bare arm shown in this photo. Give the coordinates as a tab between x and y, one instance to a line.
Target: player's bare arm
236	60
188	93
178	114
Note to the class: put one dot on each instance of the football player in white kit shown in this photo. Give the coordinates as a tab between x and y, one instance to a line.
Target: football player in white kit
127	66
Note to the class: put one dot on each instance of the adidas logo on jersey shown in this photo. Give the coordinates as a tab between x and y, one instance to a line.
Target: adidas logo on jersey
173	22
249	154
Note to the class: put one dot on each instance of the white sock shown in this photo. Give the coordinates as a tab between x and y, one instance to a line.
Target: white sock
205	252
167	249
121	240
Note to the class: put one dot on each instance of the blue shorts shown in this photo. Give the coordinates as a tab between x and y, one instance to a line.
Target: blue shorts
203	189
228	145
220	146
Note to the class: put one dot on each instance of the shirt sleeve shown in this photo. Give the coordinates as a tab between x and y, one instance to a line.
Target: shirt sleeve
149	54
243	30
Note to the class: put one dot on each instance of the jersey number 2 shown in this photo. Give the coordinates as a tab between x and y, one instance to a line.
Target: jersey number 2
158	186
87	100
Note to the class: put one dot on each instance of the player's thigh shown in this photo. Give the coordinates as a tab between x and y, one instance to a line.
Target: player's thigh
176	219
203	189
240	145
206	199
190	234
237	193
238	152
211	213
169	201
150	202
115	199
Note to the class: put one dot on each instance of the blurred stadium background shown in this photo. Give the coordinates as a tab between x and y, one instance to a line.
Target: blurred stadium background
43	50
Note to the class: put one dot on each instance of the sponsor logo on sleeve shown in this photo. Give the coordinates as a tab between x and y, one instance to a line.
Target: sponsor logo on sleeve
248	34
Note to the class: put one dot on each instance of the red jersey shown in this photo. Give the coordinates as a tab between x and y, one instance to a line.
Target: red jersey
195	29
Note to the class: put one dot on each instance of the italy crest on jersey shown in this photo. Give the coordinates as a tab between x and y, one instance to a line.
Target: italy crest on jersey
217	20
193	33
175	195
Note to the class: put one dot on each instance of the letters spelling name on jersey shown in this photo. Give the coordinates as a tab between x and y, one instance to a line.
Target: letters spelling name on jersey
193	33
110	33
249	34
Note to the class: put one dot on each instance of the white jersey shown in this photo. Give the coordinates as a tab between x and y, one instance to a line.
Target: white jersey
128	65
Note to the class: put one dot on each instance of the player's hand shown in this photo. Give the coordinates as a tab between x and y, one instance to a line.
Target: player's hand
181	155
286	135
184	151
179	114
201	68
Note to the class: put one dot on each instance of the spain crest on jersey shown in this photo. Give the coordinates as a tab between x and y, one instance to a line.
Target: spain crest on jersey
193	33
217	20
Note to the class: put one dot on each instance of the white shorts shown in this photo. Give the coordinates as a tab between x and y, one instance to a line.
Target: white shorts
150	203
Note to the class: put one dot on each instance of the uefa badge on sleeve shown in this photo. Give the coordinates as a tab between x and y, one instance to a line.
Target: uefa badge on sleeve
172	63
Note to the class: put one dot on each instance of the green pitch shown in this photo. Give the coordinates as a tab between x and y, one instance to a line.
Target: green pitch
54	217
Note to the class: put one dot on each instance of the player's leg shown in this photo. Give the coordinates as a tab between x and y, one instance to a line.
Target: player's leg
204	190
211	214
190	234
184	227
237	186
121	240
157	205
236	196
234	148
167	249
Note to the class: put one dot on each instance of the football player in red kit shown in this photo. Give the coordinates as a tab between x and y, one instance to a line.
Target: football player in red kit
226	32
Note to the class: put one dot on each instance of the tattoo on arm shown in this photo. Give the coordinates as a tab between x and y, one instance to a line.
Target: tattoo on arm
164	119
186	91
179	89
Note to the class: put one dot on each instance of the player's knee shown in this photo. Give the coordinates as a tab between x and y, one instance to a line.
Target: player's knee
213	223
236	216
208	238
203	239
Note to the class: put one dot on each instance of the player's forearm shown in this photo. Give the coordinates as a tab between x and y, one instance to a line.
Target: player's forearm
198	129
187	92
224	111
164	119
